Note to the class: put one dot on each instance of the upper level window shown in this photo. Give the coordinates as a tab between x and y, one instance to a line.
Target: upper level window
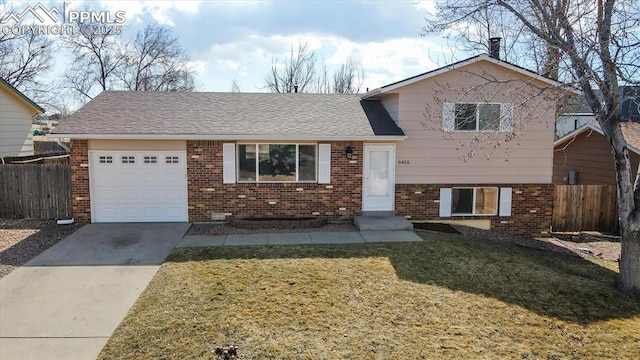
276	162
477	117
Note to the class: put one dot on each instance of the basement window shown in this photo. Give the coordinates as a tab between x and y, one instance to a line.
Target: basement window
474	201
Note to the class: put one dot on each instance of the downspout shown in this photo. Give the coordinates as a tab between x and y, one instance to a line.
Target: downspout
65	147
68	150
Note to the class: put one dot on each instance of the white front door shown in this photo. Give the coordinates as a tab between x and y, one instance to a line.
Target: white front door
378	184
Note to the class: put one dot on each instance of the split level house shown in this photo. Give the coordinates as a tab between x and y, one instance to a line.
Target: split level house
16	115
471	142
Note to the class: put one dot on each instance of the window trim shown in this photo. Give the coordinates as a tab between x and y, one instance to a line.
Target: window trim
477	117
257	180
473	207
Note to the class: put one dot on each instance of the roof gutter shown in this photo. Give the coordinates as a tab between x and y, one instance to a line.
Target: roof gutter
227	137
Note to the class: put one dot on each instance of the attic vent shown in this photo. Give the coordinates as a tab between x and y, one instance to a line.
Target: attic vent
204	143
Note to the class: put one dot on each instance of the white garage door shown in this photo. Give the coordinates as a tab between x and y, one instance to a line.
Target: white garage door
138	186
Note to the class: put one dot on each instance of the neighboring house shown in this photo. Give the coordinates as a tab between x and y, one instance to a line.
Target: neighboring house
576	113
584	157
405	147
16	114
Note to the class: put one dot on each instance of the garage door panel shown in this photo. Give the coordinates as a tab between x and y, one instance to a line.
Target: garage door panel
172	195
142	189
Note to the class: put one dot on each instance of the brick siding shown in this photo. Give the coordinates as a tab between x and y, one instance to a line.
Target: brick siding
79	161
208	195
531	206
340	200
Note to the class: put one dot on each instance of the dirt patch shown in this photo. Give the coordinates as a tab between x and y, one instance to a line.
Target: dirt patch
23	239
587	246
606	250
439	227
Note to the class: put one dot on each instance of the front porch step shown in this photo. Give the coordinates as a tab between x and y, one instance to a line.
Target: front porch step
380	222
379	213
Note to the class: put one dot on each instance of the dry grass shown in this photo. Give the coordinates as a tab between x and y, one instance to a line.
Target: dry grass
449	297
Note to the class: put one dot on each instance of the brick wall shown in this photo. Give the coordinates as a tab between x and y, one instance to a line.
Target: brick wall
339	200
79	161
531	206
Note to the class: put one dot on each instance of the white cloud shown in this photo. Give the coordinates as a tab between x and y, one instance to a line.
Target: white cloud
158	10
383	62
397	58
200	67
428	5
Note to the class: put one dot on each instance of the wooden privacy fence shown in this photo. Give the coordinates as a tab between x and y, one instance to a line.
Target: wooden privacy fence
35	191
585	208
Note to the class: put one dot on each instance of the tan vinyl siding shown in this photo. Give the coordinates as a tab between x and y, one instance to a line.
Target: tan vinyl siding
15	126
390	103
138	145
432	156
590	155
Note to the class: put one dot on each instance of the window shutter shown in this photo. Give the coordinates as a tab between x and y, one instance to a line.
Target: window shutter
506	117
229	163
448	116
505	202
324	163
445	202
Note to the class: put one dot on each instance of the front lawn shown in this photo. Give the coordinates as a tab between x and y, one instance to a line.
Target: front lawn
448	297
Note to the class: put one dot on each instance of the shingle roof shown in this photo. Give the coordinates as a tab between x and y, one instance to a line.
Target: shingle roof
379	118
221	114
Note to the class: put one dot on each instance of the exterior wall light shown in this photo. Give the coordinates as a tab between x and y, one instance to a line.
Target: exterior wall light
349	152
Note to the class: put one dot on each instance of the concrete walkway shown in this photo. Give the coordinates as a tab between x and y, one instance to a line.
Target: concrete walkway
298	238
66	302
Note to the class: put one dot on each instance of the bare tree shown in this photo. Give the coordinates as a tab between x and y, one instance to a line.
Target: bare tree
295	74
303	73
155	61
235	86
602	45
152	61
24	59
348	78
97	58
470	25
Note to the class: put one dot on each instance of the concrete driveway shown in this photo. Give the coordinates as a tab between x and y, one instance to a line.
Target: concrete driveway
66	302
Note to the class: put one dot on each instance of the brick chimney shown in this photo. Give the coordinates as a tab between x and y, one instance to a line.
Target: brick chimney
494	47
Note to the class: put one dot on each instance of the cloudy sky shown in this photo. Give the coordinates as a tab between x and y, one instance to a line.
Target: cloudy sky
229	40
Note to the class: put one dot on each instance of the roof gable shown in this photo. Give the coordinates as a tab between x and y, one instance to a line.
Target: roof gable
21	97
463	63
